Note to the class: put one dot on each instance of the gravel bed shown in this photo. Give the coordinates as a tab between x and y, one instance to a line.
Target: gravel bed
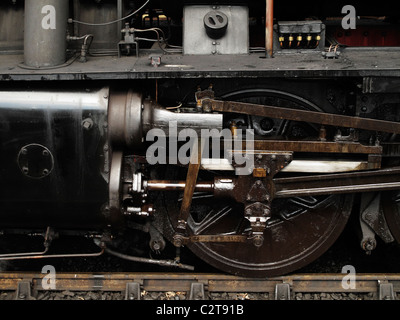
346	251
91	295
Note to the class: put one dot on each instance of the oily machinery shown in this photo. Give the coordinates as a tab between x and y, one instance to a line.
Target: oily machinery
248	132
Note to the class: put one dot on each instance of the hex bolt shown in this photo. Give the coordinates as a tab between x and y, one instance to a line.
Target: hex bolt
178	241
258	241
156	246
369	217
87	124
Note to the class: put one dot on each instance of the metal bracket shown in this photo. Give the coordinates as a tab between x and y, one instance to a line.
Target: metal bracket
98	281
191	179
372	221
386	291
24	291
132	291
258	190
129	40
197	291
282	291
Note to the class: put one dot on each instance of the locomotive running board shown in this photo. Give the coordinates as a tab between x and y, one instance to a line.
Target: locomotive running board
304	116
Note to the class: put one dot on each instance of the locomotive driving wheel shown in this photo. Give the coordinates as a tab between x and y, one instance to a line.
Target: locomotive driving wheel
300	229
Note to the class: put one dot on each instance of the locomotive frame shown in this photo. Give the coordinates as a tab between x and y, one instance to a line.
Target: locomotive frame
325	115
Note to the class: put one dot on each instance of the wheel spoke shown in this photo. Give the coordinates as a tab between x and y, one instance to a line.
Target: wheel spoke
211	219
300	229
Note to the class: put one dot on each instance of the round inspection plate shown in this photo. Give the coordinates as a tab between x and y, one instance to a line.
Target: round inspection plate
35	161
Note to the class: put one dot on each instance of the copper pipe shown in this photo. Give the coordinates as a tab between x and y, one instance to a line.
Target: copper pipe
42	256
269	28
25	254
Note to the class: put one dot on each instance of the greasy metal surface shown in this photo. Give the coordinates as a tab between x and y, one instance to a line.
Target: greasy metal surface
326	184
214	282
321	220
125	119
191	179
378	180
196	40
315	146
51	147
165	185
115	187
391	211
172	123
45	42
351	64
306	116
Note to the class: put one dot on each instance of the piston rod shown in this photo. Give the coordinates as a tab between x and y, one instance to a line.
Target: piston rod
340	183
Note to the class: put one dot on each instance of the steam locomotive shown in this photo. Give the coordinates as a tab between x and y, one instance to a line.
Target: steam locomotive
246	131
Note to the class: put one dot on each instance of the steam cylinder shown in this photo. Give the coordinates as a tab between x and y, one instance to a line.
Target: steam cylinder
45	33
53	164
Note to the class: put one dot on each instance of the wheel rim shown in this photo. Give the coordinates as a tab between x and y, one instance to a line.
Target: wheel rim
300	230
293	239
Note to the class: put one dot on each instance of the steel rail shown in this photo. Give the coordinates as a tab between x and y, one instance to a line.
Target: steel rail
178	282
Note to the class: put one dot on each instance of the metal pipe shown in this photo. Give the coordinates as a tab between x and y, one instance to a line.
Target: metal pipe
155	116
306	116
50	256
119	17
131	117
25	254
221	187
30	101
269	28
164	263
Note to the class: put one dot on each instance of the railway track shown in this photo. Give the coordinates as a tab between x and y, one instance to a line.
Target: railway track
174	286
